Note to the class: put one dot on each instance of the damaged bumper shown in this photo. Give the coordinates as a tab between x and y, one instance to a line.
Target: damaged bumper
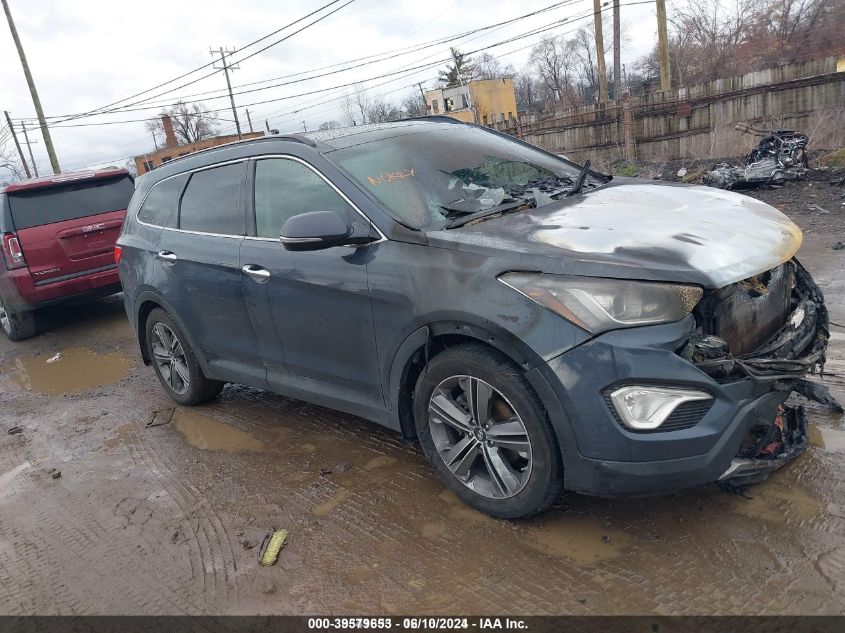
738	436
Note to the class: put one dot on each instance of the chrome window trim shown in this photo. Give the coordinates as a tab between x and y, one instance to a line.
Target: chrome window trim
382	237
234	161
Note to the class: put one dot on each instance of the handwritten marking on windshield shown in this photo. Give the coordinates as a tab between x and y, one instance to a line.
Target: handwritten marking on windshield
391	176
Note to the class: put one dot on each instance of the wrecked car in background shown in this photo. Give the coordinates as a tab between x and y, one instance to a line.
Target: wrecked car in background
779	156
535	325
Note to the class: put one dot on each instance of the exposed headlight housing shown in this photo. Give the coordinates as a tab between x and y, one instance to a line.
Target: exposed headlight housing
597	304
645	408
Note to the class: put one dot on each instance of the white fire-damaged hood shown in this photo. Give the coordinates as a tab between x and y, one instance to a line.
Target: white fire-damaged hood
724	235
639	230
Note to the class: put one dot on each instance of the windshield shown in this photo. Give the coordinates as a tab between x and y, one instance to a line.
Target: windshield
434	178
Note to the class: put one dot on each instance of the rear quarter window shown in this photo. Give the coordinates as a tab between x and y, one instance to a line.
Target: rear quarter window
160	206
69	202
213	201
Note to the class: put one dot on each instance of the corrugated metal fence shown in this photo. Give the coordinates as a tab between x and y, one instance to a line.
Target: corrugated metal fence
698	122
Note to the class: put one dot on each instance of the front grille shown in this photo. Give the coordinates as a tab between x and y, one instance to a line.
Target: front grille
686	416
747	314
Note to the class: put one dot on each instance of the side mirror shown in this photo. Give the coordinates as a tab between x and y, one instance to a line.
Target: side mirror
315	231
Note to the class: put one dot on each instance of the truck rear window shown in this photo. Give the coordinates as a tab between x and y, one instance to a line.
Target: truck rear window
69	202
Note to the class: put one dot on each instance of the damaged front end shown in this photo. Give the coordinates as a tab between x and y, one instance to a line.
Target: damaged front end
771	328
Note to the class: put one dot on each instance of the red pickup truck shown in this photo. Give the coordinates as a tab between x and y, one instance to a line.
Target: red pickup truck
58	237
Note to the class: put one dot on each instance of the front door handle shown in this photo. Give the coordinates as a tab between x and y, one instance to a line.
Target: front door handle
168	256
259	274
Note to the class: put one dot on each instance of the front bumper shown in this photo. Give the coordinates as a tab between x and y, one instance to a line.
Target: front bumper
748	394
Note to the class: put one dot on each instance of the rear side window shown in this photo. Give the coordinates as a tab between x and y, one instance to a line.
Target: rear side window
162	201
285	188
213	201
70	202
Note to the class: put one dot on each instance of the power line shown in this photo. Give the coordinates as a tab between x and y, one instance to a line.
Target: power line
191	72
352	83
380	57
406	72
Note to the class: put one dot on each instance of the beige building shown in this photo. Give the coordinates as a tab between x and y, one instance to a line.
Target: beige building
172	149
484	101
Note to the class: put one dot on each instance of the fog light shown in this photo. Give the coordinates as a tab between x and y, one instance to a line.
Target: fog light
645	408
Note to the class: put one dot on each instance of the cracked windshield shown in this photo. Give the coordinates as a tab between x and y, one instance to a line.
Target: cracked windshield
442	179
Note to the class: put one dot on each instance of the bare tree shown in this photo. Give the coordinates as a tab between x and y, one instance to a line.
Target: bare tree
488	67
551	60
191	123
355	105
529	91
360	108
330	125
413	105
10	167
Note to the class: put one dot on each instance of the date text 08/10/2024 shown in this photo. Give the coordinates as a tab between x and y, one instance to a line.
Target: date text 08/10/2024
416	623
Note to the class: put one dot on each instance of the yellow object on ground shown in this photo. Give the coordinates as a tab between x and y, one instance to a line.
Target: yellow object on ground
274	546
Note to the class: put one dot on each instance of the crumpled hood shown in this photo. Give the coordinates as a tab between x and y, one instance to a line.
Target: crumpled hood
667	231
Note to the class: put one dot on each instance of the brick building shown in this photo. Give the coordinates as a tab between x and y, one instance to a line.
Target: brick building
172	149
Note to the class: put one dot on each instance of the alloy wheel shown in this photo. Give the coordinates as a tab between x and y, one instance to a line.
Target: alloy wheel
480	437
170	358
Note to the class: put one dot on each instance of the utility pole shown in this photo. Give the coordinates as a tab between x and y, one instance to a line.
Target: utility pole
226	68
267	125
422	92
29	147
249	120
304	127
15	139
36	102
600	52
617	53
663	47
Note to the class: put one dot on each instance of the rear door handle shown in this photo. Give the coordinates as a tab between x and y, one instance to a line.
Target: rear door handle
168	256
259	274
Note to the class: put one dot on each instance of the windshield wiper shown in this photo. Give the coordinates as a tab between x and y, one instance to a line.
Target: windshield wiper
582	176
497	210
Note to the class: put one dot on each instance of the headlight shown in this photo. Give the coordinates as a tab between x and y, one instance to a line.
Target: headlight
598	304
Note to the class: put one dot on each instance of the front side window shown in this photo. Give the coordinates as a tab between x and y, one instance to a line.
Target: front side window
285	188
427	176
213	201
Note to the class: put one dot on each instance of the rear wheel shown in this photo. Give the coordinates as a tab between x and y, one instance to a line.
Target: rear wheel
16	325
174	362
485	432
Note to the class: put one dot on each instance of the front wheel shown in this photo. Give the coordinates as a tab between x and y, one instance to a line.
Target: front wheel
486	434
175	363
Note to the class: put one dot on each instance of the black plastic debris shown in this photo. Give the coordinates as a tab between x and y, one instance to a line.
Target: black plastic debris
779	156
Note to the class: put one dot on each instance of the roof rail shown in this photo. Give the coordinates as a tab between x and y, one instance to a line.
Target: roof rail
437	117
296	138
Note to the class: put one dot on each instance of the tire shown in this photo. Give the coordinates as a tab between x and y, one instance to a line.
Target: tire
513	472
174	362
16	325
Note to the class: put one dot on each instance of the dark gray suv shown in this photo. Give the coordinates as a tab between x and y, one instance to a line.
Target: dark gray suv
535	325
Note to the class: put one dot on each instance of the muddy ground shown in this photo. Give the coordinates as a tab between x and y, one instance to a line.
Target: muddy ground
161	510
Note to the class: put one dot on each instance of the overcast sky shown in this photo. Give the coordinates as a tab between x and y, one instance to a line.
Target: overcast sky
88	53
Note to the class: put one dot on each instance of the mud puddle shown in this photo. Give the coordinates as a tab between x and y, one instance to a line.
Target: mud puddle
831	440
209	434
73	370
583	540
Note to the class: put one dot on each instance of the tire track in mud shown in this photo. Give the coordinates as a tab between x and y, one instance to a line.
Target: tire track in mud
212	556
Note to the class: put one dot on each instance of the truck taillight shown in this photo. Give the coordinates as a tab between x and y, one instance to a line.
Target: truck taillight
12	251
118	251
